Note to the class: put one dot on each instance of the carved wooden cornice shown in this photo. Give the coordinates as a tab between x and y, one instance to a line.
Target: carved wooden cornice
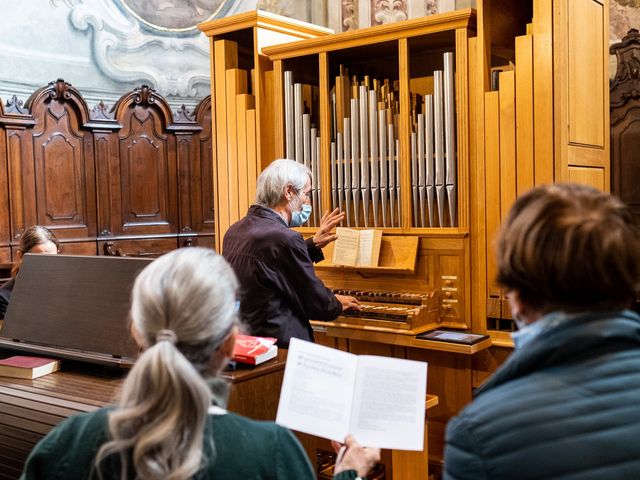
144	95
201	109
101	112
102	117
60	90
14	114
14	105
626	83
185	121
183	115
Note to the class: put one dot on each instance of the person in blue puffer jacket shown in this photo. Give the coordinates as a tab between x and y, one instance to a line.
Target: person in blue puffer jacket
565	404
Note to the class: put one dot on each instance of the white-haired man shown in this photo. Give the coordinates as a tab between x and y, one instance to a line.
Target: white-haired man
280	291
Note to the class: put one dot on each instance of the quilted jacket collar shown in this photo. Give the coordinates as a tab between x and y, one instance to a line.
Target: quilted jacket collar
576	338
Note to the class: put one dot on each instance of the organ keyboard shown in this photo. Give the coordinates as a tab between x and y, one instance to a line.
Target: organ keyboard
409	311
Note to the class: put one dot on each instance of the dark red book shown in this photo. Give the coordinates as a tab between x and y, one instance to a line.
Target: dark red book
254	350
27	367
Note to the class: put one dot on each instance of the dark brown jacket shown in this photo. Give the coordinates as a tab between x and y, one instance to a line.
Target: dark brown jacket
280	291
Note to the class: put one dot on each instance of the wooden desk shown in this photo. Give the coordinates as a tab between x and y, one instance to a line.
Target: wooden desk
255	391
29	409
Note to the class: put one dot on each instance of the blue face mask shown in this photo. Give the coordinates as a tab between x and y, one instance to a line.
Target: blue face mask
299	218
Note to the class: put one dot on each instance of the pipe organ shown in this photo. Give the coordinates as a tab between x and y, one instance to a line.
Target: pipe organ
403	131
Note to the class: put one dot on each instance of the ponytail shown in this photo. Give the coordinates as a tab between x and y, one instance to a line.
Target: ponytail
183	309
161	417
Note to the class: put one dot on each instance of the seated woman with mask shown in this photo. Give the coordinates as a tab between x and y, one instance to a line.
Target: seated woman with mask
280	291
170	422
34	239
564	404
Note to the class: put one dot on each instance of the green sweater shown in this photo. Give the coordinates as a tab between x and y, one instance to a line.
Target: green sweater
245	449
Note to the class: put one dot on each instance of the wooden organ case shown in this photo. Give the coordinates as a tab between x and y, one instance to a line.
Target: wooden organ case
404	131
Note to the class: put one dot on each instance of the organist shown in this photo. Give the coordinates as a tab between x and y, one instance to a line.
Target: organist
280	291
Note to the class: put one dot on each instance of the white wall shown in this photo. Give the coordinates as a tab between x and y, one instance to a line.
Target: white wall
101	49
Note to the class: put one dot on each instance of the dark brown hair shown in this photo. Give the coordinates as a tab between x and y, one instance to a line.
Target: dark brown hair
570	247
32	236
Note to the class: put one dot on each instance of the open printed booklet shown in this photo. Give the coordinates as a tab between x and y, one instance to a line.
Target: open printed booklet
357	248
330	393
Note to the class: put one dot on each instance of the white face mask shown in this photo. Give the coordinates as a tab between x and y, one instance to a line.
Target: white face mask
300	217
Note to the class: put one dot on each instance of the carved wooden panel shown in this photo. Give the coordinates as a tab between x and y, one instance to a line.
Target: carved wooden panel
63	164
625	158
150	248
147	169
21	188
5	233
108	175
135	179
202	197
625	122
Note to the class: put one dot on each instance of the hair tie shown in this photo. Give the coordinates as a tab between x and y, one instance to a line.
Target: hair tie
168	335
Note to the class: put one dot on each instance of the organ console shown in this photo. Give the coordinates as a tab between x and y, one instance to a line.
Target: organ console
394	310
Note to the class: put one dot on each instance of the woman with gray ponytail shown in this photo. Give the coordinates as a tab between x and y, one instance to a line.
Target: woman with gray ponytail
170	422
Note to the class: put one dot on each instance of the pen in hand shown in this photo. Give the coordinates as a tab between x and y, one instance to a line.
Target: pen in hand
352	456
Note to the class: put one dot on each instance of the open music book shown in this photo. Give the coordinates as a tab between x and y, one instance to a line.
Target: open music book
330	393
357	247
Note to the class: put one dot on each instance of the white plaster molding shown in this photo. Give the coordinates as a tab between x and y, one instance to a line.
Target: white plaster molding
334	15
416	9
349	19
390	11
446	5
364	13
9	51
173	65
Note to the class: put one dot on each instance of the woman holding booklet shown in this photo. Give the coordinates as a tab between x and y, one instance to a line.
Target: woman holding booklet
171	422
